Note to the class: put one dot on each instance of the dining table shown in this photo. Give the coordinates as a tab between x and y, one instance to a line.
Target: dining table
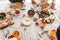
30	32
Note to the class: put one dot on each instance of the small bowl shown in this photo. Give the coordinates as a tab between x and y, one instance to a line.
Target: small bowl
14	33
52	35
2	15
26	21
31	12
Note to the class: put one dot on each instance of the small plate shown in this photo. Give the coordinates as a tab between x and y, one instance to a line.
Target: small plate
11	33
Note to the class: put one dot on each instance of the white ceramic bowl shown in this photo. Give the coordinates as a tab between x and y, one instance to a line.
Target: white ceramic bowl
26	21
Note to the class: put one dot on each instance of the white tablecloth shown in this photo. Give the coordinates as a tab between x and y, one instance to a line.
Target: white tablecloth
32	30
